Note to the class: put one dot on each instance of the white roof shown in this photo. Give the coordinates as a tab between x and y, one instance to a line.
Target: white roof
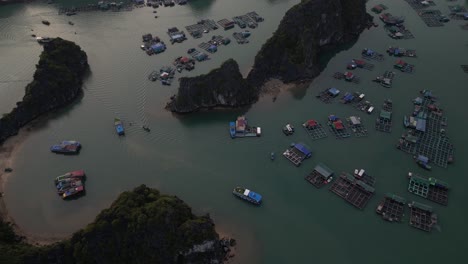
361	172
370	109
246	192
259	130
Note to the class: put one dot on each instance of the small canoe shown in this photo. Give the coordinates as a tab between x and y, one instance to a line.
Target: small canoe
119	127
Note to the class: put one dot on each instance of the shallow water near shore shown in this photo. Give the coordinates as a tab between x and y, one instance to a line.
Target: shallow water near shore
193	156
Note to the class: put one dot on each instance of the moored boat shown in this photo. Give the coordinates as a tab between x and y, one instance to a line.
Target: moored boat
67	147
73	174
288	129
119	127
272	156
73	192
423	162
45	22
43	40
247	195
65	185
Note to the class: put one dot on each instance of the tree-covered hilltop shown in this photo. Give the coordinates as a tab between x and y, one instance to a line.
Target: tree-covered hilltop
57	82
141	226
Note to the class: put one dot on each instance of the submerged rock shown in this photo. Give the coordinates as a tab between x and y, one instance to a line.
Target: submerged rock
308	29
222	87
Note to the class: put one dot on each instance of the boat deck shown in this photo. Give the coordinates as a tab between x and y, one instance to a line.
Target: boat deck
341	76
316	132
359	130
339	133
422	218
392	208
294	155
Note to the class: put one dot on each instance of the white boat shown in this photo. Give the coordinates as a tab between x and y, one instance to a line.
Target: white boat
43	40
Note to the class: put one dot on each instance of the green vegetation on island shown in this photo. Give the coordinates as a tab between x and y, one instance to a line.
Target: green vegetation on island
141	226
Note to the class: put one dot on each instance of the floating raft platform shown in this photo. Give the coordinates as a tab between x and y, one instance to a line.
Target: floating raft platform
392	208
379	8
408	143
398	32
362	175
356	125
203	26
320	176
353	191
337	127
365	106
418	5
431	188
198	55
255	17
384	122
314	129
464	67
372	55
347	76
386	80
401	52
240	38
328	95
431	18
361	64
226	24
422	216
404	66
297	153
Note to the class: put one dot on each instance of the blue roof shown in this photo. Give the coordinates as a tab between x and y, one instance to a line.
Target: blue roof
421	125
332	117
423	158
302	149
334	91
369	52
348	97
257	197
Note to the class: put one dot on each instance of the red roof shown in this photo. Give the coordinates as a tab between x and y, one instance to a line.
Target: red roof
184	60
359	62
311	123
400	62
349	74
338	125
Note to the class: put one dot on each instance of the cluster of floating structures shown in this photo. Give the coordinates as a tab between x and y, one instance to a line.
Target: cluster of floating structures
395	27
184	63
386	79
297	153
431	17
152	45
241	129
70	184
384	122
99	6
401	52
426	138
176	35
403	66
165	75
353	189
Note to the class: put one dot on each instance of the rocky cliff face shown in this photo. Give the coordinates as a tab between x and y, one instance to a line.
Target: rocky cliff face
222	87
308	29
57	82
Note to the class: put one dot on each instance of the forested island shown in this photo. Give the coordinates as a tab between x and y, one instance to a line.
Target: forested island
57	82
293	54
141	226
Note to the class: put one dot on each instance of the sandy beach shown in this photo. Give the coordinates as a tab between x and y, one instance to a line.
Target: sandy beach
8	152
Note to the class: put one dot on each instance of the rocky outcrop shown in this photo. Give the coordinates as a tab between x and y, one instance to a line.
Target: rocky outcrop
57	82
141	226
222	87
308	30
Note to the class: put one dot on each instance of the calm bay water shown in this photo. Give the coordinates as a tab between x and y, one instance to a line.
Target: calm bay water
193	156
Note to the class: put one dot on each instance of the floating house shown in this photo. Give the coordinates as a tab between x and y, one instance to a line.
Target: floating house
158	47
240	129
226	24
320	176
333	92
392	208
297	153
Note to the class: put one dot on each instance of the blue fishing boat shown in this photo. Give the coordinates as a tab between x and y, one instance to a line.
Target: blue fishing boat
423	161
232	129
119	127
247	195
66	147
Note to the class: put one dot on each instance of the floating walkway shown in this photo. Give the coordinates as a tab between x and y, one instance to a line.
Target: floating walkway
353	191
356	125
392	208
384	122
422	216
337	127
314	129
320	176
431	188
297	153
372	55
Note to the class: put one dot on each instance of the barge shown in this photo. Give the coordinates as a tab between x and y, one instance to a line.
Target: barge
240	129
320	176
247	195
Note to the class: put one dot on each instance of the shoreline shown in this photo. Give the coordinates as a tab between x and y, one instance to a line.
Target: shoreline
8	152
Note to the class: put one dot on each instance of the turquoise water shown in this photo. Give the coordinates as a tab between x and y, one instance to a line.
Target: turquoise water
193	156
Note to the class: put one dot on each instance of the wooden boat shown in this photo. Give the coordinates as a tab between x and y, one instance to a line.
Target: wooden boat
73	192
45	22
119	127
73	174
